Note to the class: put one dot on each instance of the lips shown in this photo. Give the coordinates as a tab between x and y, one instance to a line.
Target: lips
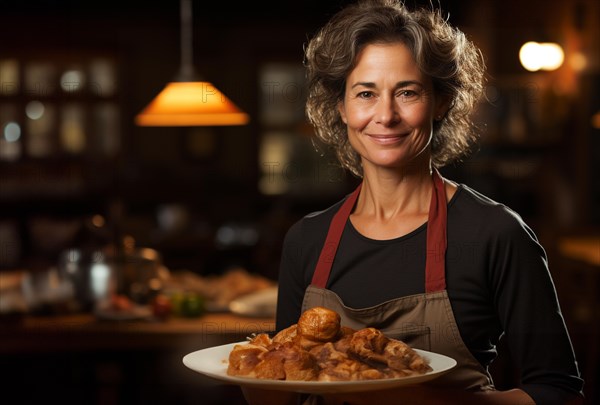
386	139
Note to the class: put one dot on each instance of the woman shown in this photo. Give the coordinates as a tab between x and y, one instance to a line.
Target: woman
426	260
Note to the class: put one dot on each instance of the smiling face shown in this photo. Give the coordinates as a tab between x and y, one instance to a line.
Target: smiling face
389	106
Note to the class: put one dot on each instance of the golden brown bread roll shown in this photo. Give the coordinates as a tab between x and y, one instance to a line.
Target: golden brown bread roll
319	324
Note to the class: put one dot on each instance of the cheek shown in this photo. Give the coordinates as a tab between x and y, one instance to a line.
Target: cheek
357	118
420	116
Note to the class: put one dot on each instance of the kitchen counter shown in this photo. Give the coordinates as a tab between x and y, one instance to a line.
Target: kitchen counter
85	332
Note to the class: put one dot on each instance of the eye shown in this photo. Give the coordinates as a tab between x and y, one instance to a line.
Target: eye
365	94
407	93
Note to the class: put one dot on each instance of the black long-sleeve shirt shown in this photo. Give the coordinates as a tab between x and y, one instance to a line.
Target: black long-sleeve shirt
497	280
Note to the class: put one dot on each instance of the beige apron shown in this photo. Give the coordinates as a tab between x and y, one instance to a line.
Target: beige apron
424	321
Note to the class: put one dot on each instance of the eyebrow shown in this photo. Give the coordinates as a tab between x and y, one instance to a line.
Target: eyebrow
372	85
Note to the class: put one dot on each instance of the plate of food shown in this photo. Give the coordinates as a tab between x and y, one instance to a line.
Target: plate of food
319	358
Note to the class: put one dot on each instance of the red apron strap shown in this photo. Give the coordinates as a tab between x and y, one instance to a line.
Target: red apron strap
338	223
435	263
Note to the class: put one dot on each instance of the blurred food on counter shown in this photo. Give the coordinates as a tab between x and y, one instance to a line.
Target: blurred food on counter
262	303
119	307
162	307
132	286
12	300
219	290
191	305
186	294
120	302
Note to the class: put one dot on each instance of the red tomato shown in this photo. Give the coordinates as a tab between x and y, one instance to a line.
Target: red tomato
161	306
120	302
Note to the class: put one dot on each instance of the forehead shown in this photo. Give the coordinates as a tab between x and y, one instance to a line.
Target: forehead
388	59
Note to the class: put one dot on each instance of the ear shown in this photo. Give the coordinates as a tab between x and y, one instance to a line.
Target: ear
342	110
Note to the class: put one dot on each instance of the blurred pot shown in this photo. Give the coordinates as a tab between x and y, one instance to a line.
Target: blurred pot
91	273
141	273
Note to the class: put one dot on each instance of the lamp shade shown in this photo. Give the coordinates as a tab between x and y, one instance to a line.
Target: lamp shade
191	104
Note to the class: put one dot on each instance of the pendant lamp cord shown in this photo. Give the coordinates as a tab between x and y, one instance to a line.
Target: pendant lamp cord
187	66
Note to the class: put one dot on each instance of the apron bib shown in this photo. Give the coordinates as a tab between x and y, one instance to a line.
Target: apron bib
424	321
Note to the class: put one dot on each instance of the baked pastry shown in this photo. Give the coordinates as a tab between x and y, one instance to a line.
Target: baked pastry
318	348
319	324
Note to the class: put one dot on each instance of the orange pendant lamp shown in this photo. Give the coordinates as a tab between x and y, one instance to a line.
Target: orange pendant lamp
188	101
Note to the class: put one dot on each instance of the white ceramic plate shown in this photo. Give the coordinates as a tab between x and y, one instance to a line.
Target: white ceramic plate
212	362
262	303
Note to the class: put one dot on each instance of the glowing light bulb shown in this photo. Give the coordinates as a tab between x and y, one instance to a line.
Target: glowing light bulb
34	110
536	56
12	132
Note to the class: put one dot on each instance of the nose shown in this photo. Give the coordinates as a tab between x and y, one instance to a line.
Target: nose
386	112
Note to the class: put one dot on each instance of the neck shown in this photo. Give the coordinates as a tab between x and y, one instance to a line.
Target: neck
387	194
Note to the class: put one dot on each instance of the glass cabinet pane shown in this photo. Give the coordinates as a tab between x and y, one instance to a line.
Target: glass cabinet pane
41	121
10	132
282	94
40	79
9	77
103	80
106	130
72	129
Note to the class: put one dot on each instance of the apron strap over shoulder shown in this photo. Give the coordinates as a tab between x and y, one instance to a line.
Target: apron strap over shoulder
338	223
435	263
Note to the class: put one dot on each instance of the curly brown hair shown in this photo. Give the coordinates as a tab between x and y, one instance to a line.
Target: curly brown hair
441	51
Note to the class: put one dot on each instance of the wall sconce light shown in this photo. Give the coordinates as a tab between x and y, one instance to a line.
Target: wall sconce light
536	56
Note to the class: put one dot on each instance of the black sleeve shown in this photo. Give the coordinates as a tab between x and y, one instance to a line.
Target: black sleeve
528	309
291	280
